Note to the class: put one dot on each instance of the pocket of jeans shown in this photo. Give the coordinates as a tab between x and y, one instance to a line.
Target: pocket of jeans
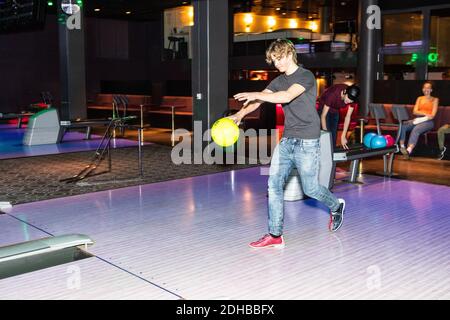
312	148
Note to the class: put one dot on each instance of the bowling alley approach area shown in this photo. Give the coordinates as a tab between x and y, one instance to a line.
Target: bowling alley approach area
226	156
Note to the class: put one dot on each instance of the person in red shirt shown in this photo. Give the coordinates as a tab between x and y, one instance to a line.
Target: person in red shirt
336	97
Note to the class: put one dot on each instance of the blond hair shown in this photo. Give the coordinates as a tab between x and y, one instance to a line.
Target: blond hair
281	48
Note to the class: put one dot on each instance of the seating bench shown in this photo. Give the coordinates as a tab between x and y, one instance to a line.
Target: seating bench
105	102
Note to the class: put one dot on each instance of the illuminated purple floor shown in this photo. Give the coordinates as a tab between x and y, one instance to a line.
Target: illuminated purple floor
188	239
11	143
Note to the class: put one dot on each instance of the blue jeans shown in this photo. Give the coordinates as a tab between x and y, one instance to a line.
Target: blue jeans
305	155
333	125
417	130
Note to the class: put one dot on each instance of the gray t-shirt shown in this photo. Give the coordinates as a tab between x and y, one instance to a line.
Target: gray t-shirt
301	119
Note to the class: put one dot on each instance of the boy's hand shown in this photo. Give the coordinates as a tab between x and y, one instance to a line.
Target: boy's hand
246	96
344	142
236	118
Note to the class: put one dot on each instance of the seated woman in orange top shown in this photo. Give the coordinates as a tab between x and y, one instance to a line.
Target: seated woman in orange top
425	109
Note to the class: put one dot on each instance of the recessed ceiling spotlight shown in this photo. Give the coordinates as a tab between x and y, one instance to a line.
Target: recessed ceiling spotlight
278	9
128	12
97	9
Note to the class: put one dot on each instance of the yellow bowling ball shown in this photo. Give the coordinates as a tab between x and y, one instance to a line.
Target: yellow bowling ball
225	132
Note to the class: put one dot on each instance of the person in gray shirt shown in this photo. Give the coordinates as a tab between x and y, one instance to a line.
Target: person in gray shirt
296	89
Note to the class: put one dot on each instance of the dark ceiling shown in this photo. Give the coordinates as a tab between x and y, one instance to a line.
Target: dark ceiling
152	9
117	9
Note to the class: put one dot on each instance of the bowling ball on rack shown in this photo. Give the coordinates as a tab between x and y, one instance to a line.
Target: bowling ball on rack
368	138
390	141
378	142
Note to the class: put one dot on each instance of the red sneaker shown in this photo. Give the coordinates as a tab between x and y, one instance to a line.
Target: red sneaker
268	242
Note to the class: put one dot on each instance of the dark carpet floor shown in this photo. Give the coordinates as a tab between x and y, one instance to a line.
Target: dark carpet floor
38	178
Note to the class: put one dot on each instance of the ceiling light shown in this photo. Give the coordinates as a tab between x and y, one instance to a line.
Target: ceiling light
128	12
97	9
